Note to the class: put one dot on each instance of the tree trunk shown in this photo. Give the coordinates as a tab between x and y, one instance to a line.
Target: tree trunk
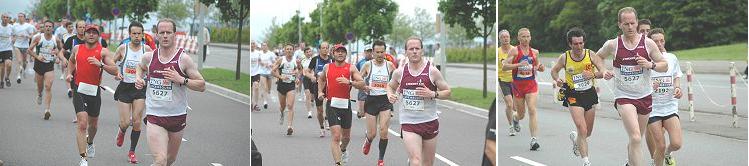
239	41
484	52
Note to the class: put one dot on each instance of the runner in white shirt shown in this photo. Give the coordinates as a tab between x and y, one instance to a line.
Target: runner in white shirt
666	95
267	59
6	50
22	33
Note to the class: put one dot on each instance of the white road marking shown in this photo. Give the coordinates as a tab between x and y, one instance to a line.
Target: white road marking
184	140
527	161
438	156
216	164
108	89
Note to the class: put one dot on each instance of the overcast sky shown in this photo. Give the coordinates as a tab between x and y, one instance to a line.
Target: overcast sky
262	12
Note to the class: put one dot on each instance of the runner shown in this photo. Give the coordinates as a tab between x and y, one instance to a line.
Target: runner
418	85
377	72
579	89
313	71
49	49
524	86
69	28
505	81
170	72
665	105
337	89
84	71
254	76
361	95
77	39
286	70
634	56
6	50
643	26
131	101
267	59
22	33
307	83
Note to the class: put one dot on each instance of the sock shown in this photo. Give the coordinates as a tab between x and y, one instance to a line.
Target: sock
134	136
123	130
383	146
585	159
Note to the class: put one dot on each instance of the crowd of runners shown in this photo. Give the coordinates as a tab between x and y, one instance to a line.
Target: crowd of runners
152	79
645	75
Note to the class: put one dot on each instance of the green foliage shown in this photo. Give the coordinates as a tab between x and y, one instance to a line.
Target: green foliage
228	35
175	10
469	55
688	24
99	9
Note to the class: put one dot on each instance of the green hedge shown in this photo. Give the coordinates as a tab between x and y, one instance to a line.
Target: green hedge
470	55
229	35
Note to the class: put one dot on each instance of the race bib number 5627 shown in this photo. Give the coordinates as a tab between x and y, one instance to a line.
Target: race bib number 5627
160	89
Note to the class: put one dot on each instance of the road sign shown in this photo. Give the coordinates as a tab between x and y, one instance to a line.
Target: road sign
116	12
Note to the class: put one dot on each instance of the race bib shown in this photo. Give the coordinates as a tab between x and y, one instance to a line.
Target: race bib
581	83
339	103
87	89
129	70
411	101
287	73
161	89
378	84
664	89
631	75
525	71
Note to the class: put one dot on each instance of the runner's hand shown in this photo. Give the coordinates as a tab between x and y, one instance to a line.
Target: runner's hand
118	77
342	80
139	83
172	75
608	75
392	98
94	61
321	96
559	82
541	68
587	74
677	93
424	92
644	63
69	77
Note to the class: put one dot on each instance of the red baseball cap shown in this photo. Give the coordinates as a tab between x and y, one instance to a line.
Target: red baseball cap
92	27
339	46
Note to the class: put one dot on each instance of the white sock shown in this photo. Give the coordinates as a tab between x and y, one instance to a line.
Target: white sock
585	159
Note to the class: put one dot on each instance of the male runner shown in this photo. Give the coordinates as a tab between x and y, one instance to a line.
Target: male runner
313	71
505	81
49	49
361	98
643	26
87	63
287	71
170	72
22	33
377	73
665	106
635	56
131	101
337	79
523	62
417	86
6	50
580	93
307	83
255	76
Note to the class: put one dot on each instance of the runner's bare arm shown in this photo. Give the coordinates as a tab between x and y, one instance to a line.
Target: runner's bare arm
358	81
274	70
443	90
194	79
393	85
561	62
119	53
107	59
71	63
365	69
607	49
539	65
59	53
661	65
507	63
321	82
31	51
143	66
391	68
598	63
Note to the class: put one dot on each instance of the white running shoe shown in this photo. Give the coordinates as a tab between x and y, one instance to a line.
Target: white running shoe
575	147
90	151
83	162
309	114
345	157
322	133
512	131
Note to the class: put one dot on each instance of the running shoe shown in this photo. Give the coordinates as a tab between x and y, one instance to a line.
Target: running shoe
534	144
83	162
309	114
575	147
131	157
39	100
280	120
120	137
265	105
670	161
90	151
345	157
322	133
2	85
365	147
70	93
512	131
586	163
380	163
46	115
7	82
515	122
289	131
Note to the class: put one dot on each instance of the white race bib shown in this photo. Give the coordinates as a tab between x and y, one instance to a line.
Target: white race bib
161	89
129	69
581	83
48	58
665	89
525	71
411	101
87	89
339	103
631	75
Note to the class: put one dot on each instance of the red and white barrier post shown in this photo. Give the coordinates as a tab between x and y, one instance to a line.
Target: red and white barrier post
690	91
732	72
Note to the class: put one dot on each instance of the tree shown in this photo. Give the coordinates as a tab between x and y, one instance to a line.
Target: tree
233	10
175	10
457	37
423	24
367	20
464	13
138	10
401	31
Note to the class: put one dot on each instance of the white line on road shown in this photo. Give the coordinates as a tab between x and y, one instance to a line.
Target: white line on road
216	164
527	161
443	159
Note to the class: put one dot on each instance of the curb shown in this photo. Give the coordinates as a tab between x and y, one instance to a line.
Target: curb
230	94
227	46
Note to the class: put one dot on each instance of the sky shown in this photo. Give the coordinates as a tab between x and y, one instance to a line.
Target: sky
262	12
15	6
